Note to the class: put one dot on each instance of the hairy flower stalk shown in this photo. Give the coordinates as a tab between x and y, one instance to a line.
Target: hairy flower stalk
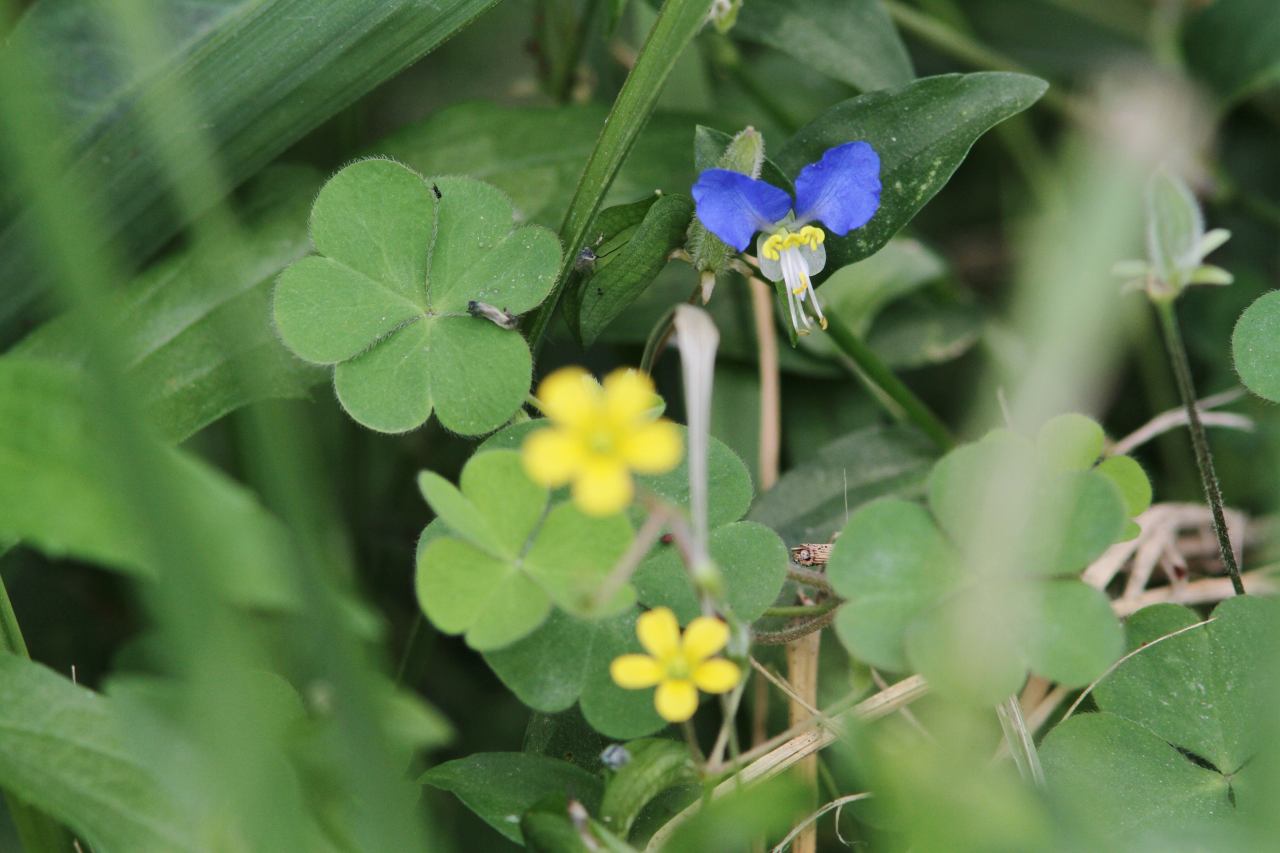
698	339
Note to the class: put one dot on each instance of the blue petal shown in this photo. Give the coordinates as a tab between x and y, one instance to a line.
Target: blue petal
842	190
734	206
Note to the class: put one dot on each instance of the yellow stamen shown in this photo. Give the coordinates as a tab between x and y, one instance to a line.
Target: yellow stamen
784	239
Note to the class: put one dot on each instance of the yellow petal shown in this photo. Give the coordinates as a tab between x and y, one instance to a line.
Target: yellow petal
633	672
570	395
653	448
602	487
716	676
704	637
628	395
659	632
552	456
676	700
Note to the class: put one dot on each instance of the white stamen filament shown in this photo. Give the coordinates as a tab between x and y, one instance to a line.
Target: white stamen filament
795	275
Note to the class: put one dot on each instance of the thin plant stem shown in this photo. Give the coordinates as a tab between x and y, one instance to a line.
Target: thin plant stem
796	631
809	577
678	22
11	639
803	610
1199	440
802	669
889	388
837	803
770	382
563	75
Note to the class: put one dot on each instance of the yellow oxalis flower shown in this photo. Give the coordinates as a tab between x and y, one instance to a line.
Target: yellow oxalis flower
598	436
678	666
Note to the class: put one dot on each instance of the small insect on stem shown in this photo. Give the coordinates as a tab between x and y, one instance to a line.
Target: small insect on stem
499	317
812	554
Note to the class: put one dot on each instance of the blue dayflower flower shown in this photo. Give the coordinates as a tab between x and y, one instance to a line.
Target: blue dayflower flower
841	191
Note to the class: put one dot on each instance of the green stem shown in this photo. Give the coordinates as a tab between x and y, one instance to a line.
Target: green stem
803	610
1199	441
565	71
678	22
877	374
10	632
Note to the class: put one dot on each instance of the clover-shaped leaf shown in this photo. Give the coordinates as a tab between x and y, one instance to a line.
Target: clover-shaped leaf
1180	733
924	595
567	658
389	299
503	560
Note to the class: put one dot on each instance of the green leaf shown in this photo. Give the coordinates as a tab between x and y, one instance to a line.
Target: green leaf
1070	442
65	750
1116	774
627	265
652	766
1255	345
753	565
387	300
1203	690
262	83
501	786
922	132
499	587
853	41
547	669
1234	46
195	329
892	563
1127	476
1182	725
59	494
1078	636
812	501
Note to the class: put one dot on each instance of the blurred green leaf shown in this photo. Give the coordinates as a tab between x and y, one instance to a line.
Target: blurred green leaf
893	563
1255	344
922	133
388	300
65	750
501	786
500	588
812	501
735	821
924	596
256	78
195	327
1234	46
853	41
627	264
58	493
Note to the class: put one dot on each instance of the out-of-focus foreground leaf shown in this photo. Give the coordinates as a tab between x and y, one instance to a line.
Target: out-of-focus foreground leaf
63	749
60	494
1234	46
263	73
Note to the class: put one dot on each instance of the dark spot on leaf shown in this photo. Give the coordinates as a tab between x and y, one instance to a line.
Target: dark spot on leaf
1198	760
435	189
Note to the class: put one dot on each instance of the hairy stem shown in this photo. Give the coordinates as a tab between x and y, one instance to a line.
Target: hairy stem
1199	440
901	402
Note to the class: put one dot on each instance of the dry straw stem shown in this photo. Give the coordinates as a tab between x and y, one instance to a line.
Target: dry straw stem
796	744
837	804
1175	418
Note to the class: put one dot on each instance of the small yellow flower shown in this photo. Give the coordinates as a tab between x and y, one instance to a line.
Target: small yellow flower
598	436
679	667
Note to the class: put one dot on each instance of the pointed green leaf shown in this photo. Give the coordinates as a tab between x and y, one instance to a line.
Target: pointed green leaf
922	133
